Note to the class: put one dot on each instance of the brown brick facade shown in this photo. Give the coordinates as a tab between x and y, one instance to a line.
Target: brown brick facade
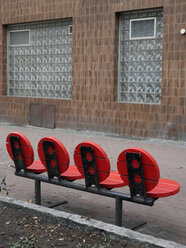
94	104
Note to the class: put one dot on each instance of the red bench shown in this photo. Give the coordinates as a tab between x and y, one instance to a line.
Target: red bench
106	178
21	152
155	186
55	157
137	169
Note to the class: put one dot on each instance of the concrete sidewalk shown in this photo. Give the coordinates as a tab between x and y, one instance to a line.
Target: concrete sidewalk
166	219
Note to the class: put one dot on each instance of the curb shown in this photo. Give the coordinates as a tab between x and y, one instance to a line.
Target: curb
92	224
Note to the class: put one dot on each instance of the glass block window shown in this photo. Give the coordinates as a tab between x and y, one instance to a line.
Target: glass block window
40	60
140	56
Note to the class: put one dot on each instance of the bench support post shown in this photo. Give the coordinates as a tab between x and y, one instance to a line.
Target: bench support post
37	192
118	211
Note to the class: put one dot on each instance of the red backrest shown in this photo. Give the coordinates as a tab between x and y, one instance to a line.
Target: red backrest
150	168
102	161
27	150
61	153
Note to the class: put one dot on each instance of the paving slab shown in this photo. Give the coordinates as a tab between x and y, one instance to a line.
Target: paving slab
166	219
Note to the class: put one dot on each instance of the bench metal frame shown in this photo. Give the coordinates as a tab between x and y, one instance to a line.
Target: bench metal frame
119	197
137	190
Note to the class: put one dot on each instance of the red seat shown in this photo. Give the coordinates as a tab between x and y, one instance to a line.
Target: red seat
28	154
114	180
107	179
155	187
72	173
67	172
164	188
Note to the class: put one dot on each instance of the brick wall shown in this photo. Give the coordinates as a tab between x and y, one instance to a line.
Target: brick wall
94	104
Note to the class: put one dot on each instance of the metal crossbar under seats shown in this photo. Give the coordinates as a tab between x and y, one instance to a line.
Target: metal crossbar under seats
119	197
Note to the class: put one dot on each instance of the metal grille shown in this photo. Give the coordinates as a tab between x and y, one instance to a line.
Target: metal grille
140	60
42	69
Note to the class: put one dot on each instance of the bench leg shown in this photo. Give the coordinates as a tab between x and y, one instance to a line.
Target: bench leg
37	192
118	212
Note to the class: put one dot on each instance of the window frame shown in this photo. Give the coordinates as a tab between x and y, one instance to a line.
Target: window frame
145	37
15	31
69	29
